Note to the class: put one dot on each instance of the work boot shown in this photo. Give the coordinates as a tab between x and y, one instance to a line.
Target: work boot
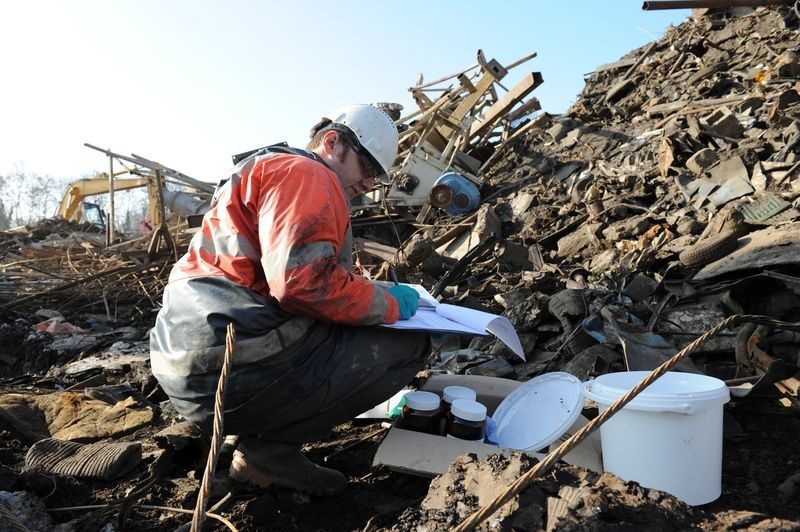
265	463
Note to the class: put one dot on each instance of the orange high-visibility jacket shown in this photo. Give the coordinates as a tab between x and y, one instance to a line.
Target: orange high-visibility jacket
281	227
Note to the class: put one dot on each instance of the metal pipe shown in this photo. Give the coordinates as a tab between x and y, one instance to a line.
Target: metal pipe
654	5
521	60
152	165
110	221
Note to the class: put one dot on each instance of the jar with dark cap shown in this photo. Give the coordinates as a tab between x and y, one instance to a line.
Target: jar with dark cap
467	420
421	412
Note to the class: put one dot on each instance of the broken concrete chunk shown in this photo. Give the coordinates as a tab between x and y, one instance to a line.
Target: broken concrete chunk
603	261
725	123
178	436
118	357
627	228
683	324
579	240
701	160
584	364
416	250
486	225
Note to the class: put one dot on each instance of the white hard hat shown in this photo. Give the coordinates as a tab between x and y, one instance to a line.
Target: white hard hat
374	129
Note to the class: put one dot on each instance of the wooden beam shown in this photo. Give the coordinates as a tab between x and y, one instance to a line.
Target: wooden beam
504	104
375	249
466	83
494	72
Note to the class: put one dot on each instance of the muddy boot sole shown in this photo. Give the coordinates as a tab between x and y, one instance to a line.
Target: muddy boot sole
241	472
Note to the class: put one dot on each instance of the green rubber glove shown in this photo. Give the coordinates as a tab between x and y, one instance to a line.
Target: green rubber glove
407	300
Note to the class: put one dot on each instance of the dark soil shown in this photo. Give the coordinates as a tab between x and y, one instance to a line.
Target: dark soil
756	461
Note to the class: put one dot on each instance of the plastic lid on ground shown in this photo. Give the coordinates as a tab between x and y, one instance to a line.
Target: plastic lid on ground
451	393
468	410
424	401
538	412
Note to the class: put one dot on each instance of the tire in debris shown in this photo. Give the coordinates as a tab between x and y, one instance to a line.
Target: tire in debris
710	249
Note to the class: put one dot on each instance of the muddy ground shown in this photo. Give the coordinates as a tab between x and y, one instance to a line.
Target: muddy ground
760	453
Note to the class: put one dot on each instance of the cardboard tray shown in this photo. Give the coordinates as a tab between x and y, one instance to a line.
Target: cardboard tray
429	455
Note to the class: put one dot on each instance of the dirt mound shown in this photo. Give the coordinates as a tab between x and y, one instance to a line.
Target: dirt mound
566	499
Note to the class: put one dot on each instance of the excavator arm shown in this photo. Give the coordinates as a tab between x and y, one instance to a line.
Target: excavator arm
78	191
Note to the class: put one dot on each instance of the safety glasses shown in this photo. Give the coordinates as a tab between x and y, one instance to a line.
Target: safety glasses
369	165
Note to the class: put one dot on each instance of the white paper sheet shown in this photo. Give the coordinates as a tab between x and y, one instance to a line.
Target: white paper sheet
439	317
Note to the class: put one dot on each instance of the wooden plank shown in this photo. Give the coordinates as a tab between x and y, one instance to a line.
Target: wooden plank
420	85
495	72
622	63
466	83
531	106
375	249
504	104
422	100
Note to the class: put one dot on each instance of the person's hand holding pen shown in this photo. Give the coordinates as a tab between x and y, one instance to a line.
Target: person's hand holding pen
407	298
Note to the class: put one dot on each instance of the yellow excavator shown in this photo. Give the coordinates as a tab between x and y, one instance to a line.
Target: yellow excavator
74	207
164	204
149	174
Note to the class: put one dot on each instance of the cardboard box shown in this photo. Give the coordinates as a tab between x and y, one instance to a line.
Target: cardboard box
429	455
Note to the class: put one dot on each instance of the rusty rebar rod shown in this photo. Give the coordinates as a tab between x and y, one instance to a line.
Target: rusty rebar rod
654	5
216	438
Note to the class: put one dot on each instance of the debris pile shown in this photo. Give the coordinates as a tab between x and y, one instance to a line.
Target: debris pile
663	201
617	233
567	499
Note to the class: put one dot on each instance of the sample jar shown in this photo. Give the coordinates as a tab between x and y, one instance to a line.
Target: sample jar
467	420
451	393
421	412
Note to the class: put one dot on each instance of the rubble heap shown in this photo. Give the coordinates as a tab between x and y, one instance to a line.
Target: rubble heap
600	229
568	499
663	201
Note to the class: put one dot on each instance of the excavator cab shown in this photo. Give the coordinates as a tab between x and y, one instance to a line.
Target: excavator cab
93	214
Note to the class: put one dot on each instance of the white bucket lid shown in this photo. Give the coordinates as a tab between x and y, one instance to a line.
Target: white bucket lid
468	410
424	401
677	392
538	412
451	393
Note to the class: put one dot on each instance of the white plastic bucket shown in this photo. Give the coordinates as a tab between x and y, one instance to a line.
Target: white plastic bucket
669	437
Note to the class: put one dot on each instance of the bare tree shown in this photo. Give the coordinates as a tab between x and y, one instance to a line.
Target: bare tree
27	197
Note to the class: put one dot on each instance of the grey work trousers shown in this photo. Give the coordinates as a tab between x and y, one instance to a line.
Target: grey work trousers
336	373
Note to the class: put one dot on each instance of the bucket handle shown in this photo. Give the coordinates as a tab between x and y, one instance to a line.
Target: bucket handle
684	408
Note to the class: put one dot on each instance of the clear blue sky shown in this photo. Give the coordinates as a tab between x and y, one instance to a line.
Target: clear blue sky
188	83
